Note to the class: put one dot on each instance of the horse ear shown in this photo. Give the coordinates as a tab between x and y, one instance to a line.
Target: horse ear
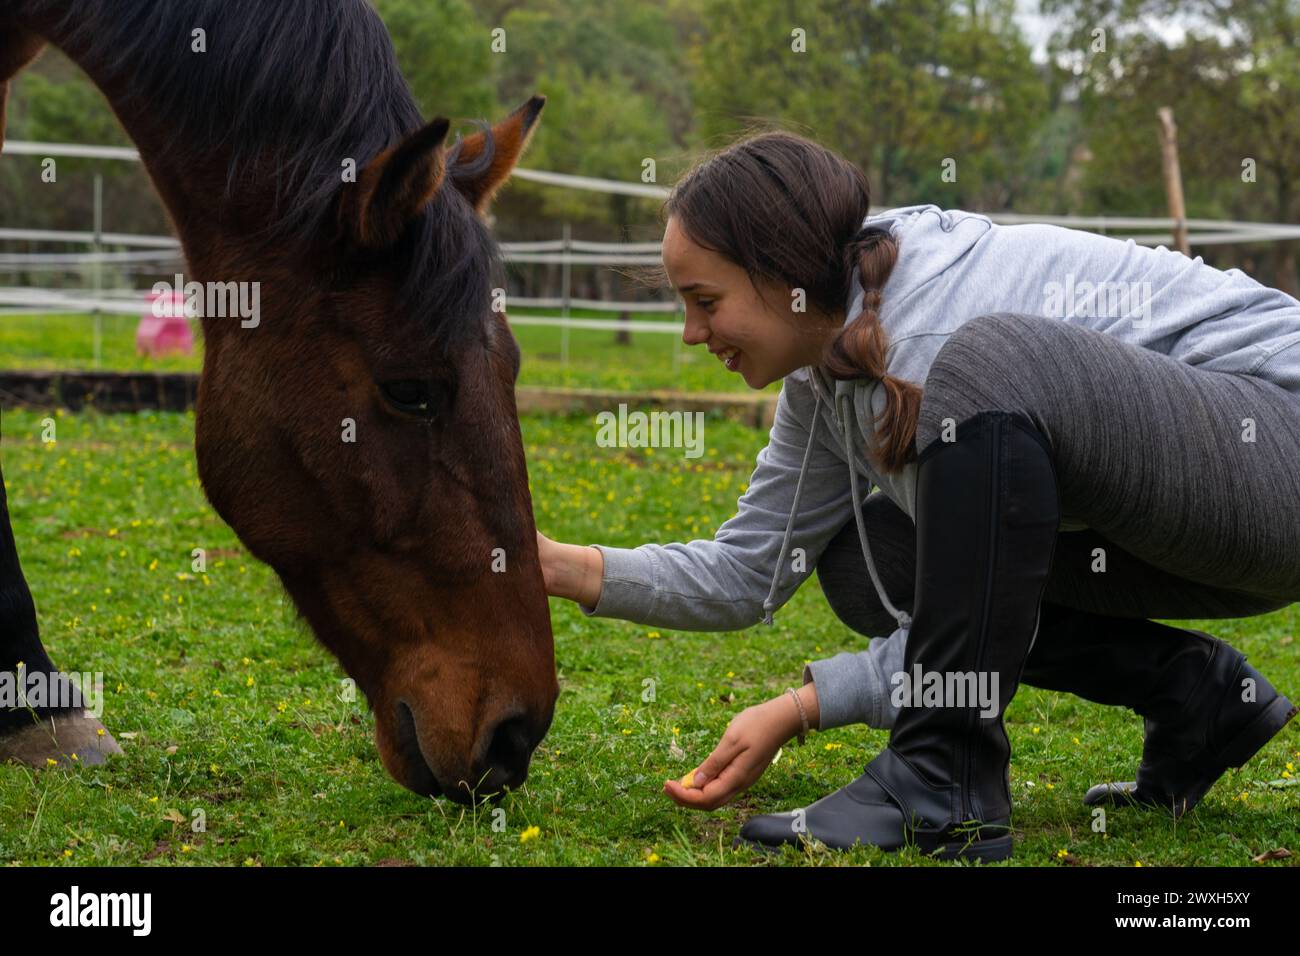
394	186
510	138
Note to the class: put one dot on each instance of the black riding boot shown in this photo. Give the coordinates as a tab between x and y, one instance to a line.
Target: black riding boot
987	519
1204	708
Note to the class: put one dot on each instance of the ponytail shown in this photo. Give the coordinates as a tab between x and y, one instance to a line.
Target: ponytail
858	351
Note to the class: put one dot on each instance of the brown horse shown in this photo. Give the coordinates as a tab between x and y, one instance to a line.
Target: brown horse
359	433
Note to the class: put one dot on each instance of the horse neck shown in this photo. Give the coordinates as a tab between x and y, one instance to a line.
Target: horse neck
211	222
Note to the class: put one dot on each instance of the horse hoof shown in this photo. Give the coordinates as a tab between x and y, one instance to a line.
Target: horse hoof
60	740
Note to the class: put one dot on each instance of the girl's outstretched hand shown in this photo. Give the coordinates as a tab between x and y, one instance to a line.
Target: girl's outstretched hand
570	571
552	565
747	747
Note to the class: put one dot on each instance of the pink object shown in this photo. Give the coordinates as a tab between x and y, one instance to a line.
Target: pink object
163	326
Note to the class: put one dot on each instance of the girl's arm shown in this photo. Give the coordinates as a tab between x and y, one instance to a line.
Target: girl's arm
850	688
720	584
857	685
571	571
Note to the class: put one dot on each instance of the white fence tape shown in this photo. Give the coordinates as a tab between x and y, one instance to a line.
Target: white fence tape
125	302
556	251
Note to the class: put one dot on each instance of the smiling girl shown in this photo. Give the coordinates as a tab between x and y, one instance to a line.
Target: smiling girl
1052	474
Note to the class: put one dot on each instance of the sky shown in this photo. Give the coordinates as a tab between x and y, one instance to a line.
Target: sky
1038	28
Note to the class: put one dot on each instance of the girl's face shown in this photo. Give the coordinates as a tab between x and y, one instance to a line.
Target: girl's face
747	332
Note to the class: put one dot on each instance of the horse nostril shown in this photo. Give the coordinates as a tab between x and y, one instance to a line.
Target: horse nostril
419	775
510	749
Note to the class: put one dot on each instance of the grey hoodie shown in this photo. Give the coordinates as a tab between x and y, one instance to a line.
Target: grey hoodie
952	267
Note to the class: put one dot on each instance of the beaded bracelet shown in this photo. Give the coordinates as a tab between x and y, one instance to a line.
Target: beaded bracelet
803	717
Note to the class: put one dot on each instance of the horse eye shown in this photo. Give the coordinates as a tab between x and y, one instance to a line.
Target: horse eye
408	395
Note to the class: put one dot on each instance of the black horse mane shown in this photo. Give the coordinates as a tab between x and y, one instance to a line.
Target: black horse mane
302	84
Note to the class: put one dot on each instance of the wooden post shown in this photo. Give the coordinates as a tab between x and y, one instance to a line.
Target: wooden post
566	282
1173	178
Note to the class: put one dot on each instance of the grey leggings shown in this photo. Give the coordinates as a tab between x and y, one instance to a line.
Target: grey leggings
1194	519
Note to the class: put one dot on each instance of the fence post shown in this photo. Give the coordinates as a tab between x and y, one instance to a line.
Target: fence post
96	245
564	298
1173	178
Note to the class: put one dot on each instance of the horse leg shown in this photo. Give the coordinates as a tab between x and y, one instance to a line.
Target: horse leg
36	728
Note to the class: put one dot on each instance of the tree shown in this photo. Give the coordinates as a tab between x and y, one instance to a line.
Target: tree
898	86
1233	82
445	53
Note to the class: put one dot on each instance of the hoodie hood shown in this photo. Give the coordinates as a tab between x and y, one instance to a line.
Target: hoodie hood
844	406
925	260
931	251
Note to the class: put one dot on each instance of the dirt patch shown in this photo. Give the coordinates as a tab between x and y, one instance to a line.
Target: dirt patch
161	848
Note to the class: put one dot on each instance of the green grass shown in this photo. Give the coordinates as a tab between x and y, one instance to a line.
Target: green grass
68	342
652	361
223	703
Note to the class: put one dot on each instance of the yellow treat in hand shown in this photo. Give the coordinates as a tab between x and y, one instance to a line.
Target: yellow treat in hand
688	781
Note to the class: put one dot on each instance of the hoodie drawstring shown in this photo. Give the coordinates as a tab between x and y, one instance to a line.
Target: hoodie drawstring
902	617
769	604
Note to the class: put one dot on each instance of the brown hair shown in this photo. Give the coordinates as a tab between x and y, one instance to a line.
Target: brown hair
787	209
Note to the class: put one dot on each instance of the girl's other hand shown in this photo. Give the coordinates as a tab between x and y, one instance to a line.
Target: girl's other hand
747	747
